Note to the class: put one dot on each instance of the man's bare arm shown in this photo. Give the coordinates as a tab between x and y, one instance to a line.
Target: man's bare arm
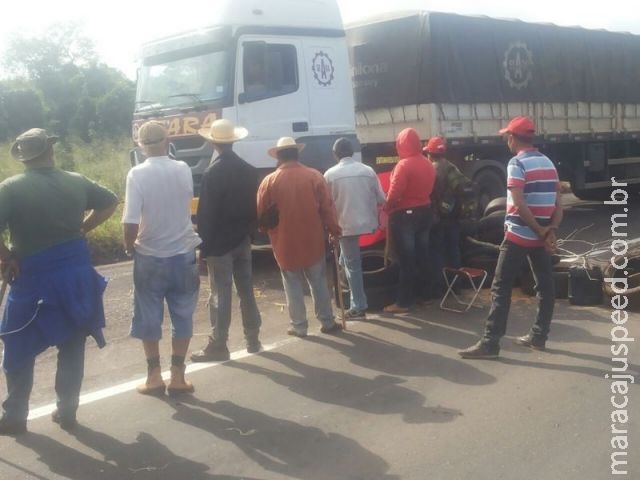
97	217
517	194
130	235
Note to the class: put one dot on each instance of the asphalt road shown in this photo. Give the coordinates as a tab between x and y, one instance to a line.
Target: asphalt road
388	399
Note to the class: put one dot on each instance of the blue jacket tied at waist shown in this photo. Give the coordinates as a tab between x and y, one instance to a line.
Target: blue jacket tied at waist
57	293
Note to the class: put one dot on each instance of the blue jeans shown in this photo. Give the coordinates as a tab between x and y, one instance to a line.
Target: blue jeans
510	262
156	279
444	248
69	375
224	271
316	277
351	259
410	230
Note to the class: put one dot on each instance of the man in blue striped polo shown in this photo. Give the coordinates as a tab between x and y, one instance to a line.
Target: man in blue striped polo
534	212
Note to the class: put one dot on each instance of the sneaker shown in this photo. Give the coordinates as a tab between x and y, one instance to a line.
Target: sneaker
295	333
211	353
335	328
254	346
66	422
353	314
531	341
395	308
481	350
8	427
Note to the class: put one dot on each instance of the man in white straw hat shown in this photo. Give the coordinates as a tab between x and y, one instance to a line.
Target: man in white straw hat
226	218
305	214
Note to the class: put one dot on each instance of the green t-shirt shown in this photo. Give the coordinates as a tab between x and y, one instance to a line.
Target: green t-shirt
43	207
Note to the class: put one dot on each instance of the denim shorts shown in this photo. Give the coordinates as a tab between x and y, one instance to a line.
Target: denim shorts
174	279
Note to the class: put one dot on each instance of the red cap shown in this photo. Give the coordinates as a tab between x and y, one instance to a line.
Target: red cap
522	126
435	145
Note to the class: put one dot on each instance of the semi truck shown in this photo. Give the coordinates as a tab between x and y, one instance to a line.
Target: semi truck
291	68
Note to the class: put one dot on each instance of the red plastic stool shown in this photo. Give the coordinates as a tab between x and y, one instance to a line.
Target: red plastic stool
476	277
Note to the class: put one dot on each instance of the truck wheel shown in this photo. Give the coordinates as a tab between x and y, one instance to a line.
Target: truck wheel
496	205
380	297
491	228
375	273
491	184
598	195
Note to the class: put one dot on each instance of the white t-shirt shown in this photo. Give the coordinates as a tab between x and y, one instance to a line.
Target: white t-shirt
158	199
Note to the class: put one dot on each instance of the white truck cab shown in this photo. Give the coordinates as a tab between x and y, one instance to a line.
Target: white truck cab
277	67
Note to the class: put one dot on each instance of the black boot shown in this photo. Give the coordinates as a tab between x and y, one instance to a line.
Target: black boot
12	428
212	352
481	350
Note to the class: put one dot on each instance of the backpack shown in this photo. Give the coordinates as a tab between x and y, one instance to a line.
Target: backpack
455	196
467	200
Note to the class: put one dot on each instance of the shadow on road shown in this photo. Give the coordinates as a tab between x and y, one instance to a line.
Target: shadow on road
381	355
380	395
282	446
147	458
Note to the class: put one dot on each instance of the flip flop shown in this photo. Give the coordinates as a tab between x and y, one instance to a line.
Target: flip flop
156	391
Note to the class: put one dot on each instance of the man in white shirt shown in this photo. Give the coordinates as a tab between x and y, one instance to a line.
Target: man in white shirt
357	194
159	235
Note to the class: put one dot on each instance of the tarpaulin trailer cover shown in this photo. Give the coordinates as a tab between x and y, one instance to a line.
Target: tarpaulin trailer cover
428	57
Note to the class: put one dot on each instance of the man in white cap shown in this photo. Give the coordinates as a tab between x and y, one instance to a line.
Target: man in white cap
56	295
159	234
297	202
226	218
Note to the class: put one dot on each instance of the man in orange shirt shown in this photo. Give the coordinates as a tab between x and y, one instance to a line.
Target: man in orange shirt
410	218
298	200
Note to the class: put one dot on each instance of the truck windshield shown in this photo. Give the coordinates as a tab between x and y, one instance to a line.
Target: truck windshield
180	82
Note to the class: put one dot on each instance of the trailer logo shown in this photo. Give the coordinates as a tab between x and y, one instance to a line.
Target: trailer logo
323	69
518	65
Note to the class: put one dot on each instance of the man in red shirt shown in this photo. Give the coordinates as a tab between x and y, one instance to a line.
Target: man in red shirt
410	218
298	231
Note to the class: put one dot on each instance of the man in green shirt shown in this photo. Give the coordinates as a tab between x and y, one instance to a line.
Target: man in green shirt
56	295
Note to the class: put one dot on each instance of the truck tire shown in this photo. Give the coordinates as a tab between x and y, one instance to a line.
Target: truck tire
470	247
380	297
491	228
496	205
491	184
375	273
594	195
633	281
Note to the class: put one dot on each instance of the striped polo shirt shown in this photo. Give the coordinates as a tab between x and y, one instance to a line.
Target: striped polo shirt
537	176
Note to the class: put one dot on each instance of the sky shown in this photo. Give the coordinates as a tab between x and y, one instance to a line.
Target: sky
119	27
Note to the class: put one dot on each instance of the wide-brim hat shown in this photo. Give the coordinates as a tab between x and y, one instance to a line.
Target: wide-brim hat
31	144
223	131
285	143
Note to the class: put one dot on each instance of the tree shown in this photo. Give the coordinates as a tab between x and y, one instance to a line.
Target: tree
114	110
78	94
61	44
20	110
